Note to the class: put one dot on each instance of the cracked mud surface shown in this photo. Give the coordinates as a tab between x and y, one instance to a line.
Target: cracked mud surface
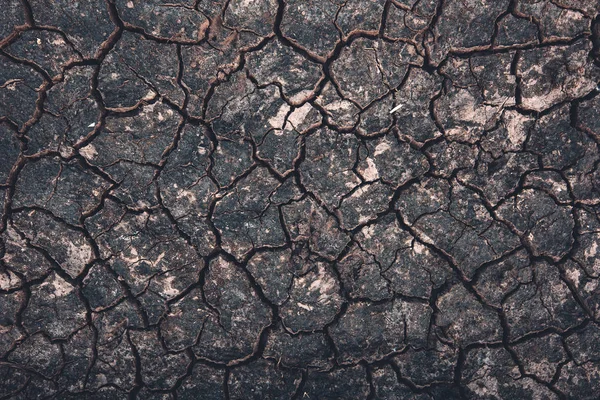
212	199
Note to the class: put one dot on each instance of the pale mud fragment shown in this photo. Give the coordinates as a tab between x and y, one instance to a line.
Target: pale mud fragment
9	280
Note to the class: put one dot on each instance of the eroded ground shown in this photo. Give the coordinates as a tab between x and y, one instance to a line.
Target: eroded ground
212	200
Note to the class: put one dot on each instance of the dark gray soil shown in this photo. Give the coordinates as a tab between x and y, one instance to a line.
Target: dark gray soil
300	199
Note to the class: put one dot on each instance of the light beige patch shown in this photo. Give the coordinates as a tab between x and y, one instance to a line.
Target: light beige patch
89	152
58	286
370	173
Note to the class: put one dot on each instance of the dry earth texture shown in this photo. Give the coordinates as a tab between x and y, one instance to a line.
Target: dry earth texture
300	199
